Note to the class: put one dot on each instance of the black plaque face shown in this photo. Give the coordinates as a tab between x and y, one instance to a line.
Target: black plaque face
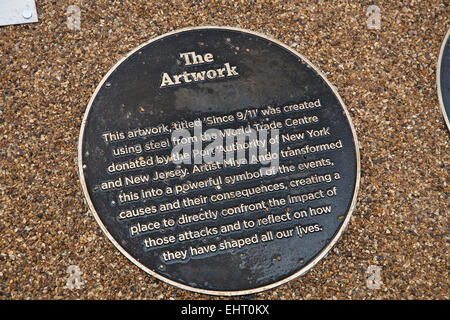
443	78
239	226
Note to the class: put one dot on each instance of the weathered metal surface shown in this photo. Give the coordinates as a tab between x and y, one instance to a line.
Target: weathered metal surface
218	228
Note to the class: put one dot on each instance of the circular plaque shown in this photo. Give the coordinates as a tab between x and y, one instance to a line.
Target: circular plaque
219	160
443	78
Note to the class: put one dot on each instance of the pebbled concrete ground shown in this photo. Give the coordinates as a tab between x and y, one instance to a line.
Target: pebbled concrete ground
386	77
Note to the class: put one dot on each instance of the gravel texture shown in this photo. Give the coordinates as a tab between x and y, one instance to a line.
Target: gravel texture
386	78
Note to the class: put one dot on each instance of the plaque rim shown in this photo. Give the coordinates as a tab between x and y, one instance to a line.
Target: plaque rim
438	79
323	253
